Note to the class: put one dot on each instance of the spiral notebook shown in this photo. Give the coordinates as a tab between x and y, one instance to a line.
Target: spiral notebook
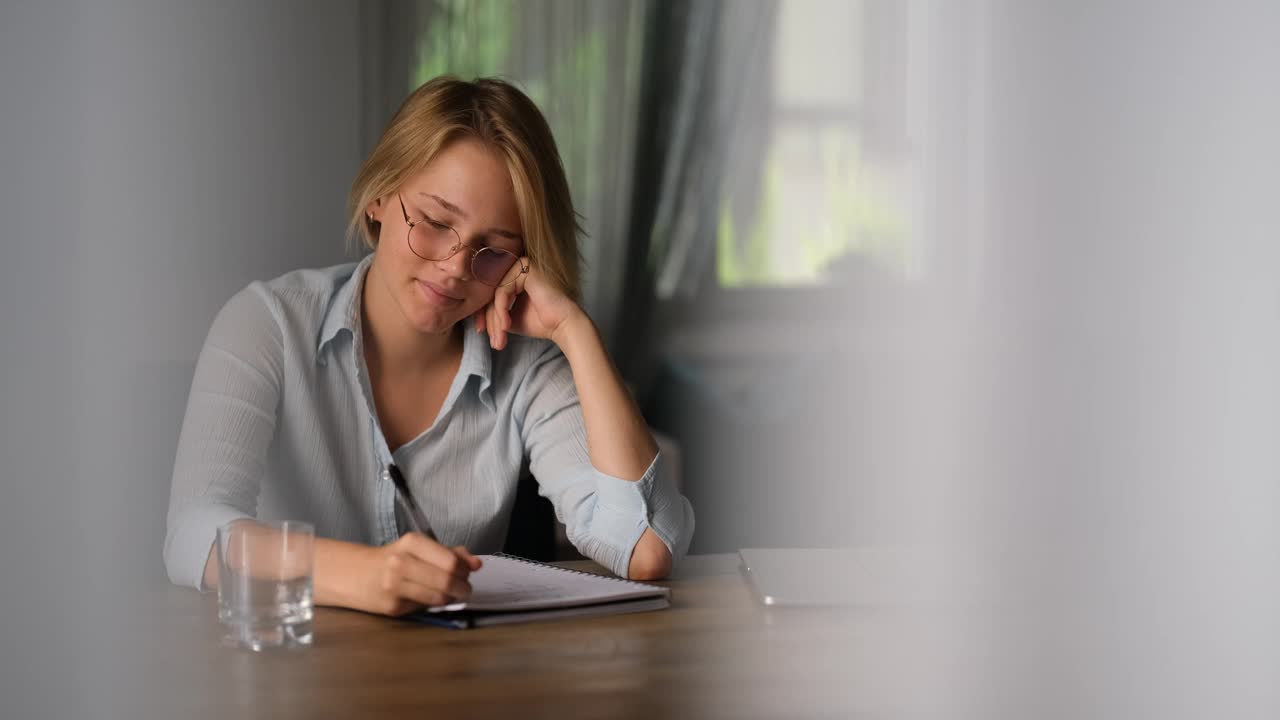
509	589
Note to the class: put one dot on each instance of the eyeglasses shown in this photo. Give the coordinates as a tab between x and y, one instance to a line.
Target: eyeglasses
433	240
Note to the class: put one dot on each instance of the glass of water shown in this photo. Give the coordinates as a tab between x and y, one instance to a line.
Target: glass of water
264	583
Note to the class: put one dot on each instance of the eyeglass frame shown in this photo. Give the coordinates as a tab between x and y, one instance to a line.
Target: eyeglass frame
460	245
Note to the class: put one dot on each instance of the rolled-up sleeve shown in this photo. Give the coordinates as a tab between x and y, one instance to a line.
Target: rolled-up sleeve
604	516
226	433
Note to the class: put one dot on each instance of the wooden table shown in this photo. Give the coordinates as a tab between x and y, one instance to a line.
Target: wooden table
715	653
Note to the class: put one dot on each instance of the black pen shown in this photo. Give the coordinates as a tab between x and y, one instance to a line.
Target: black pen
408	505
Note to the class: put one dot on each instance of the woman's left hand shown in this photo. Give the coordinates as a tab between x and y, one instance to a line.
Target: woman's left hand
529	306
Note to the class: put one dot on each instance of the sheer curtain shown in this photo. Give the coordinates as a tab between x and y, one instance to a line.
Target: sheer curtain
718	101
706	82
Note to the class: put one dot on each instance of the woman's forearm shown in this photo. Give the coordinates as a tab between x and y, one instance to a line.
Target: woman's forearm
618	439
335	563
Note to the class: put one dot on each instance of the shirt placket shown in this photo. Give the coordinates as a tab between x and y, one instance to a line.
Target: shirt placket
384	489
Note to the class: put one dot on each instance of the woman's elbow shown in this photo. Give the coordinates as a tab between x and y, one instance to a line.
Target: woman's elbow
650	560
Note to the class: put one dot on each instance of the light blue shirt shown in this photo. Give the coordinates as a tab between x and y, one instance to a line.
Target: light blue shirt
280	424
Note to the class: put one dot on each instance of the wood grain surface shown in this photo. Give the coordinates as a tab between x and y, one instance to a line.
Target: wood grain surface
714	653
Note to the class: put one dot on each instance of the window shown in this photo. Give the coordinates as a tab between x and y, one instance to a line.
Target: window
832	181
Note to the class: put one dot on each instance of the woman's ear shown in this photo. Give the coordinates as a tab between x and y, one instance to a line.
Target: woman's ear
373	210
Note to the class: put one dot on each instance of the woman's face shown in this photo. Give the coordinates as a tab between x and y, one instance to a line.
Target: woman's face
466	187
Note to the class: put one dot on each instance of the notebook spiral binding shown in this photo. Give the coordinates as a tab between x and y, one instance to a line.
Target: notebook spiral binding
527	561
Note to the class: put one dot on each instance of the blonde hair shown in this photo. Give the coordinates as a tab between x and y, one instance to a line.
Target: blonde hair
504	118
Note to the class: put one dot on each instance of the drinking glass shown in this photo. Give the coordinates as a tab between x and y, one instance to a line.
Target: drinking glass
264	583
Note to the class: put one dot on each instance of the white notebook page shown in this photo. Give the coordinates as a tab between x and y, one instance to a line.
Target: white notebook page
505	583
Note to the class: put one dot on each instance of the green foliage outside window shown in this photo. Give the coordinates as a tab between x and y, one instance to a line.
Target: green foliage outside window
478	38
856	218
467	38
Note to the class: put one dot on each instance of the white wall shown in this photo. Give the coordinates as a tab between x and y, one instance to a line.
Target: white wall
1129	340
1086	399
155	157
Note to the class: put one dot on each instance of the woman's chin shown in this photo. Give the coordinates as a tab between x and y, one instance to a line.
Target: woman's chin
428	320
428	315
434	323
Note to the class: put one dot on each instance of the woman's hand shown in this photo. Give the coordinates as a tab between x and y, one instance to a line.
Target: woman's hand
410	573
529	306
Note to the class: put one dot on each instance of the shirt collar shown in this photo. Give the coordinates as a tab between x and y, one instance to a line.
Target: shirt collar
343	313
477	359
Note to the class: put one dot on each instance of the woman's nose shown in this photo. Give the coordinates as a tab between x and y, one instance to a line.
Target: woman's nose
457	265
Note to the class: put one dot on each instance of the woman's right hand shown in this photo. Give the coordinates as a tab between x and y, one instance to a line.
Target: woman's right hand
410	573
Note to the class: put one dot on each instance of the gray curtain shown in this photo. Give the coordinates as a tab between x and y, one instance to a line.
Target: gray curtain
706	97
719	101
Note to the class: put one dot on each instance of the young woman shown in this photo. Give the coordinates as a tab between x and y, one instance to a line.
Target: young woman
455	353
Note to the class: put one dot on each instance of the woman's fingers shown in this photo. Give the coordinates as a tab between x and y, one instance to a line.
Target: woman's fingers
501	318
433	553
515	290
501	299
424	595
505	298
495	328
472	561
427	572
433	579
416	570
517	287
498	314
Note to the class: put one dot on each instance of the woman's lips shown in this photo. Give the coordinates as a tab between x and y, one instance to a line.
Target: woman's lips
435	294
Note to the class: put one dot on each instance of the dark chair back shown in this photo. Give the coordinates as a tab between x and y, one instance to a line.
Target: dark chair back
532	533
